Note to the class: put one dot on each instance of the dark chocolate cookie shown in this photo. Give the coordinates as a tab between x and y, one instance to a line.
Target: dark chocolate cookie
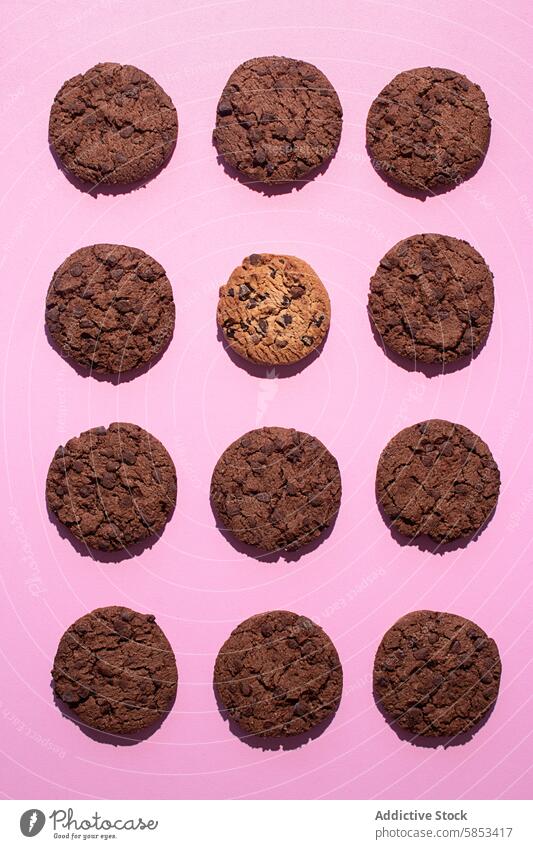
274	309
110	308
277	119
276	488
429	127
436	674
432	298
112	487
115	669
437	478
113	124
278	674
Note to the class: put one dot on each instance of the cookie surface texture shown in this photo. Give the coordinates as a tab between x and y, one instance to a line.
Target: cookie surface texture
276	488
112	124
115	669
278	674
436	674
432	299
274	309
437	478
277	119
429	127
112	487
110	308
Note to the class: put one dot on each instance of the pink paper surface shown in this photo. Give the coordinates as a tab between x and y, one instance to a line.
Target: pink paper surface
199	223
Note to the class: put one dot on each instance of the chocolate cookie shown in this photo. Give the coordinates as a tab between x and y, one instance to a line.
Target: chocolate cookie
110	308
278	674
436	674
115	669
274	309
437	478
429	127
113	124
277	119
112	487
432	298
276	488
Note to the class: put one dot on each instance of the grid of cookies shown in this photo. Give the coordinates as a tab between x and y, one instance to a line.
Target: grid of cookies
110	310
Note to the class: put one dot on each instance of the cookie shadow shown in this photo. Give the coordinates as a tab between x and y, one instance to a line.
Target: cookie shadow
425	543
426	741
272	556
429	370
273	189
131	739
420	194
270	371
272	744
105	377
126	553
113	189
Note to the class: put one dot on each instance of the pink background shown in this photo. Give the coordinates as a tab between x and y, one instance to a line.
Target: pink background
199	223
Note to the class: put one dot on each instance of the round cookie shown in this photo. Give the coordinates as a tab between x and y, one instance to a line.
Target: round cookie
115	669
428	127
436	674
432	298
276	488
113	124
273	310
278	674
277	119
112	487
110	308
437	478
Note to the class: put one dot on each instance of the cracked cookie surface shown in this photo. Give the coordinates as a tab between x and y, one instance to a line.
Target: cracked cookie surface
277	119
436	674
110	308
274	309
432	298
276	488
278	674
112	124
428	127
112	487
115	669
437	478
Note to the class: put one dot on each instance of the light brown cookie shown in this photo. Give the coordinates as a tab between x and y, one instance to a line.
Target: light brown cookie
274	309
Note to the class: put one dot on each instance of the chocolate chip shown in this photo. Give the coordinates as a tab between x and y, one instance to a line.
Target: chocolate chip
224	108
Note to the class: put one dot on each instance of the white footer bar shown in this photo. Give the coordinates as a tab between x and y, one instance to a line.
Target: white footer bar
268	824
